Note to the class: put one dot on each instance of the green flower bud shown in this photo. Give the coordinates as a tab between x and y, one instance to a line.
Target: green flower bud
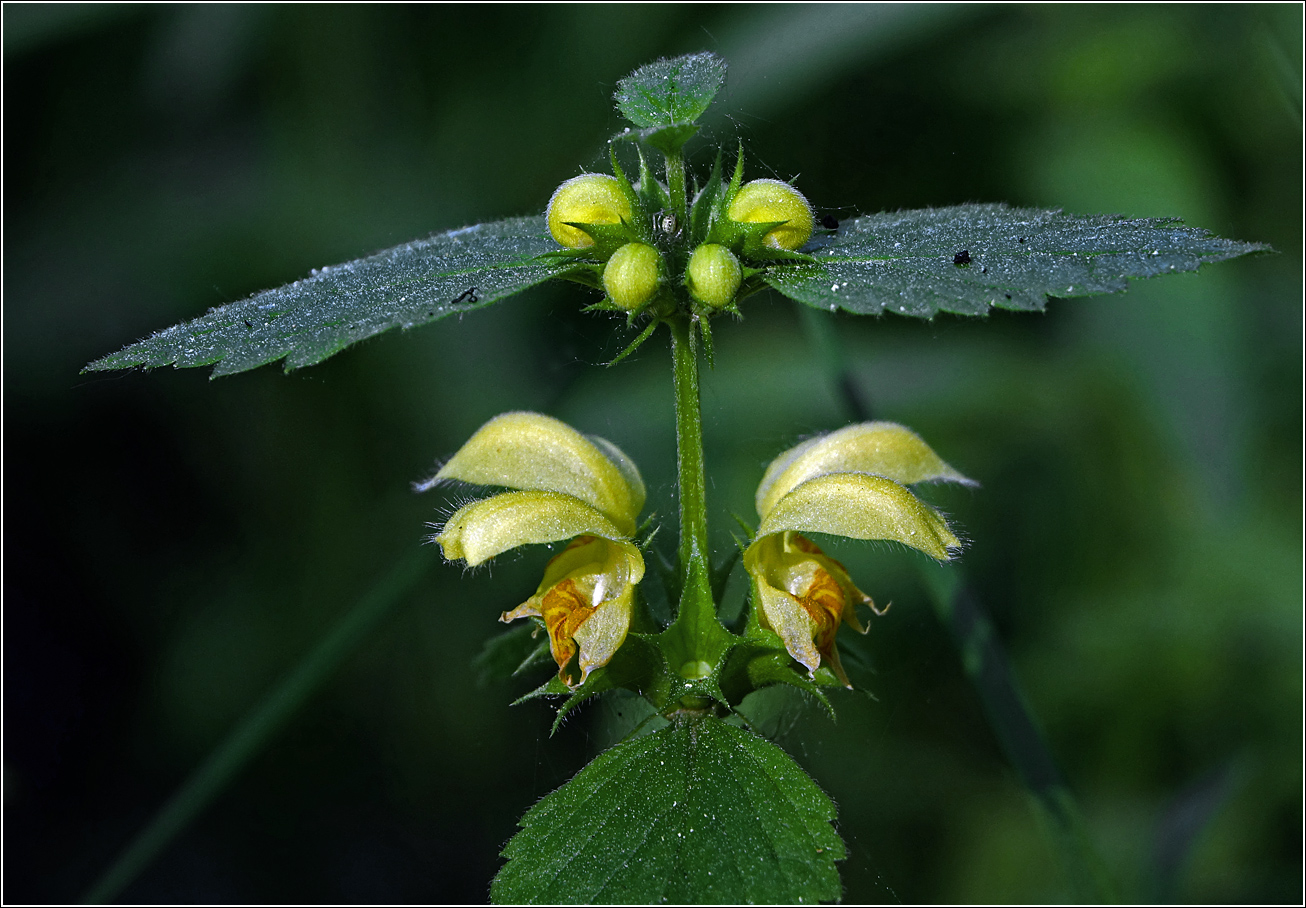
591	198
631	275
713	275
764	201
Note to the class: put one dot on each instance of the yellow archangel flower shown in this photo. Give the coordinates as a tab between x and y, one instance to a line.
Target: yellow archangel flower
567	486
849	483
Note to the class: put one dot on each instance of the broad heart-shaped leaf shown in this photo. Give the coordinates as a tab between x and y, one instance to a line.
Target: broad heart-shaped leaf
403	287
970	257
670	92
698	812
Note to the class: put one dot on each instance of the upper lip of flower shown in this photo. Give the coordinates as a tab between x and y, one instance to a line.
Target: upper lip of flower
565	485
851	482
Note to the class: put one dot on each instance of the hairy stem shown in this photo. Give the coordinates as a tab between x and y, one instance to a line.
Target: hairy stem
676	183
699	637
689	448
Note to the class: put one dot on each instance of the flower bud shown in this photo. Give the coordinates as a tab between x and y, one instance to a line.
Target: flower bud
591	198
766	201
631	275
713	275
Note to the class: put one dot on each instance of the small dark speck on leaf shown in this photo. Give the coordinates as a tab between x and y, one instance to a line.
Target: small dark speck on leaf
1008	296
961	258
249	324
468	295
830	222
984	269
1021	239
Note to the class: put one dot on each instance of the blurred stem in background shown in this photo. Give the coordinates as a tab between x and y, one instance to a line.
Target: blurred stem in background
258	727
986	665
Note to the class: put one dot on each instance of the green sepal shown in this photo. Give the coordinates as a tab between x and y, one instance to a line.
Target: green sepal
736	180
554	687
588	274
512	652
747	239
637	342
704	322
759	663
643	223
608	238
651	192
704	211
638	666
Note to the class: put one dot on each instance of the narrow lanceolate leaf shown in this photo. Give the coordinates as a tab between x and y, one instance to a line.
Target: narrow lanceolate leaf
403	287
699	812
670	92
969	258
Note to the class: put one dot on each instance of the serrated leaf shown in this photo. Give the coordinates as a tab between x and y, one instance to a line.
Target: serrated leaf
969	258
307	321
671	92
698	812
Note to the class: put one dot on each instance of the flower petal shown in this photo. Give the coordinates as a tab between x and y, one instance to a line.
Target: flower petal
602	633
862	506
585	600
483	529
804	596
882	448
533	452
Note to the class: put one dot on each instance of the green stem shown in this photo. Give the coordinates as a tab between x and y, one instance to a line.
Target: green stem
696	640
676	183
689	449
249	738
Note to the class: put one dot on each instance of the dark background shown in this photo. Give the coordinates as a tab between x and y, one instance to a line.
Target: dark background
172	545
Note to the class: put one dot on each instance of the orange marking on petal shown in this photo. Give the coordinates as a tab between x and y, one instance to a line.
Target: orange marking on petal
823	601
564	609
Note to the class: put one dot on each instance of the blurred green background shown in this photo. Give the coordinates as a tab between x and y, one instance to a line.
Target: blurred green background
173	545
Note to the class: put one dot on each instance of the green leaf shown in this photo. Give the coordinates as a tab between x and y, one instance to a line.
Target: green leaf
403	287
666	139
671	92
514	651
700	811
970	257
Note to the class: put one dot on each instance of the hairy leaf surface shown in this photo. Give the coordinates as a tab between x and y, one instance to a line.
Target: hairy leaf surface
309	320
968	258
670	92
700	811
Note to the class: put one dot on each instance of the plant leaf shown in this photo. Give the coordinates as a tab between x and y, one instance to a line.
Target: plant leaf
970	257
698	812
512	652
671	92
309	320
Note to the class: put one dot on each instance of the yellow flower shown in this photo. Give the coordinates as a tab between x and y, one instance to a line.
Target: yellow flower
848	483
566	486
767	201
713	275
591	198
